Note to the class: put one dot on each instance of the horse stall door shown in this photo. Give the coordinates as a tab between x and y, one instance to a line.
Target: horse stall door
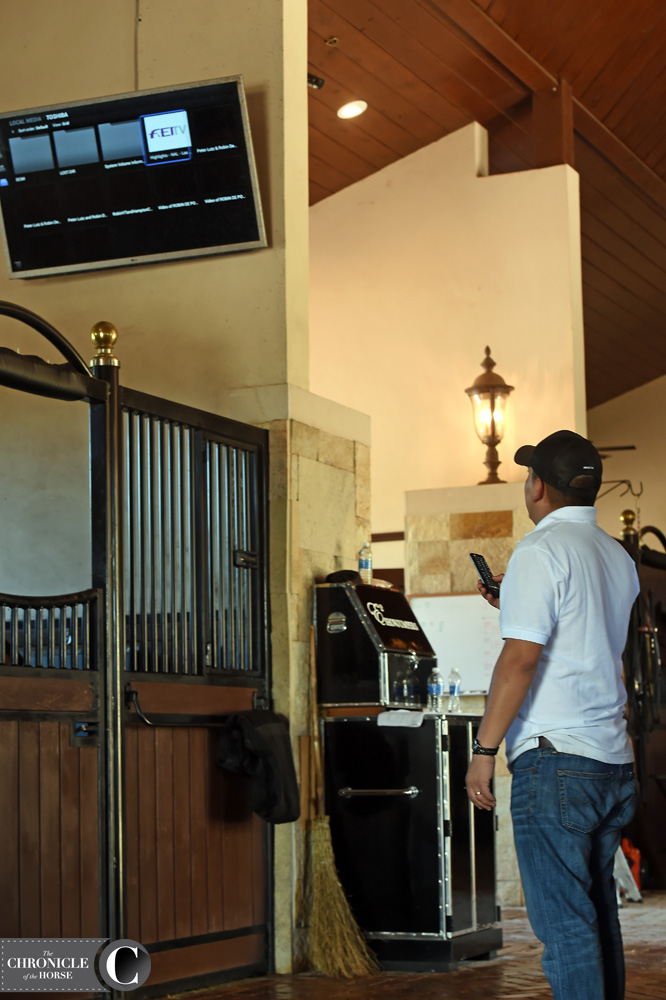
50	883
49	874
113	813
196	606
196	853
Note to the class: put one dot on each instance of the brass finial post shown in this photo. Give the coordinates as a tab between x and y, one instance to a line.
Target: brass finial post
629	532
104	336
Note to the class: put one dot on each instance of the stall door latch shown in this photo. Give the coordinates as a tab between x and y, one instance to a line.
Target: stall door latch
245	560
84	733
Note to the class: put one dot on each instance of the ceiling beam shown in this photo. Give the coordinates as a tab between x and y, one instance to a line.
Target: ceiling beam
553	126
622	158
476	23
482	29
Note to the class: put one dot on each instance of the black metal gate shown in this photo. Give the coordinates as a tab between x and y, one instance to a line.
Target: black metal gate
172	635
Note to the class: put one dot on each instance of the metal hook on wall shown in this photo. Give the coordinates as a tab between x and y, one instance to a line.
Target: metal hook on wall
614	484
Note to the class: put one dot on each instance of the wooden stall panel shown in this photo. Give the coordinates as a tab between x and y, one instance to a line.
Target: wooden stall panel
182	839
166	794
70	833
196	862
196	853
29	916
237	852
89	827
213	819
49	872
146	836
206	959
132	840
259	872
37	692
198	812
50	875
9	829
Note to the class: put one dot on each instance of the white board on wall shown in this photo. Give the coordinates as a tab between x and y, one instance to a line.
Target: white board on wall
464	632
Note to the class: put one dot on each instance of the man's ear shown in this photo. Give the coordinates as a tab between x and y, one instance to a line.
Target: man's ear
539	489
536	488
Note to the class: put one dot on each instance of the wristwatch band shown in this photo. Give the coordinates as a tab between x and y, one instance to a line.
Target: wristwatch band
485	751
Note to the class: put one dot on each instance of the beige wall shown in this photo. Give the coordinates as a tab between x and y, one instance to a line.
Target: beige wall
413	272
633	418
190	330
235	320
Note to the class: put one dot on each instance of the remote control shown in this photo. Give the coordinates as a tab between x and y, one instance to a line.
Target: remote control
483	569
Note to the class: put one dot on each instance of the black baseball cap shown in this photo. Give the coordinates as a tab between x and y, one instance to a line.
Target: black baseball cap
566	461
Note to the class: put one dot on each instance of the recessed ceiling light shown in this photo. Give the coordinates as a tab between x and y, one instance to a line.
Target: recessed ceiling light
352	109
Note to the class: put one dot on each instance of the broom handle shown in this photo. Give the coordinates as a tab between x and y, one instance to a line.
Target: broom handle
312	811
317	783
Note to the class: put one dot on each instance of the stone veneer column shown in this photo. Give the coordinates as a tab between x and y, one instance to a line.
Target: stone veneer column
319	516
441	528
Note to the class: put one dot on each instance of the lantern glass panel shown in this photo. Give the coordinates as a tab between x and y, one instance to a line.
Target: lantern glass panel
489	411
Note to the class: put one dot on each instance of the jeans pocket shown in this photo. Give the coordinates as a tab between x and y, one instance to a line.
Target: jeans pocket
583	799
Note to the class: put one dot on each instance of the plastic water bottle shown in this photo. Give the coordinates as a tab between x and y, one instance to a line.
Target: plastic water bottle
435	702
398	692
413	687
453	704
365	563
406	685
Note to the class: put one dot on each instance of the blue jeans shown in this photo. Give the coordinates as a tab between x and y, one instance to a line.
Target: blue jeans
568	813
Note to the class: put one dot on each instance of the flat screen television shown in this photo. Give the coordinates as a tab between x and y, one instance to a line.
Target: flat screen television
137	178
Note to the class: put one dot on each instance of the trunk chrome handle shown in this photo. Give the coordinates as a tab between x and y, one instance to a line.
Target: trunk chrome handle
348	793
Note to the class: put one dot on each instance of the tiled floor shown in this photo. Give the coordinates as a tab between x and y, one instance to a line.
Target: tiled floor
514	975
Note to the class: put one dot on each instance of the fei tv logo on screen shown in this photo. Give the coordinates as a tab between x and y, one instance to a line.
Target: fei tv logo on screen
166	137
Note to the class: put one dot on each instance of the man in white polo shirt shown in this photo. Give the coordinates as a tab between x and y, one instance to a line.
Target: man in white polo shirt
557	695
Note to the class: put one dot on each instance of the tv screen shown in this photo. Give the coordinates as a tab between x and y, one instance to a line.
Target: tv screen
132	179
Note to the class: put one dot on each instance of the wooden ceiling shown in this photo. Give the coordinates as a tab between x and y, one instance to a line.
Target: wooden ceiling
577	81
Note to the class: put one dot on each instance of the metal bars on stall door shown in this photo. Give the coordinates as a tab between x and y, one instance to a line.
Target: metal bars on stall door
233	581
192	590
49	632
161	597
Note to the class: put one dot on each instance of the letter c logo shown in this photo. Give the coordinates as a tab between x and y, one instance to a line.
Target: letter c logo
111	967
124	965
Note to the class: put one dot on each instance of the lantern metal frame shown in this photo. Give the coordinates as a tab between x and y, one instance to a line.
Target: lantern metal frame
491	392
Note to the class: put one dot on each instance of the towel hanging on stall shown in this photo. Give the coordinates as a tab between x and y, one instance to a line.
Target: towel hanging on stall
257	743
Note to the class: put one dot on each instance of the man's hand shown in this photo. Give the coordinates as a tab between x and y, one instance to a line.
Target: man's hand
512	678
478	779
493	601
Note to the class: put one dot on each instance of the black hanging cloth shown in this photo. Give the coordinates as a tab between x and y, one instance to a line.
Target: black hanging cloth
257	743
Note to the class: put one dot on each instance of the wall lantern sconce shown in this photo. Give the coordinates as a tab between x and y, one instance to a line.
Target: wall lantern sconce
489	394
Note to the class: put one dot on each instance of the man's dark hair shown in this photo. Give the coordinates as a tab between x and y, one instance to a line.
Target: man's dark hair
559	499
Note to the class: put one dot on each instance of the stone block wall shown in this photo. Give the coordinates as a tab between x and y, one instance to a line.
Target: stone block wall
438	546
319	516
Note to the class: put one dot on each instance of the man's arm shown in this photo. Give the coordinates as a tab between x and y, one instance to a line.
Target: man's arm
512	678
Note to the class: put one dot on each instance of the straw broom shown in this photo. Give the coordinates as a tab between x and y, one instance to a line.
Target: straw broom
335	945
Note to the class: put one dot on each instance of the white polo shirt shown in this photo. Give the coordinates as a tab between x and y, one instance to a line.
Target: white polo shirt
570	587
